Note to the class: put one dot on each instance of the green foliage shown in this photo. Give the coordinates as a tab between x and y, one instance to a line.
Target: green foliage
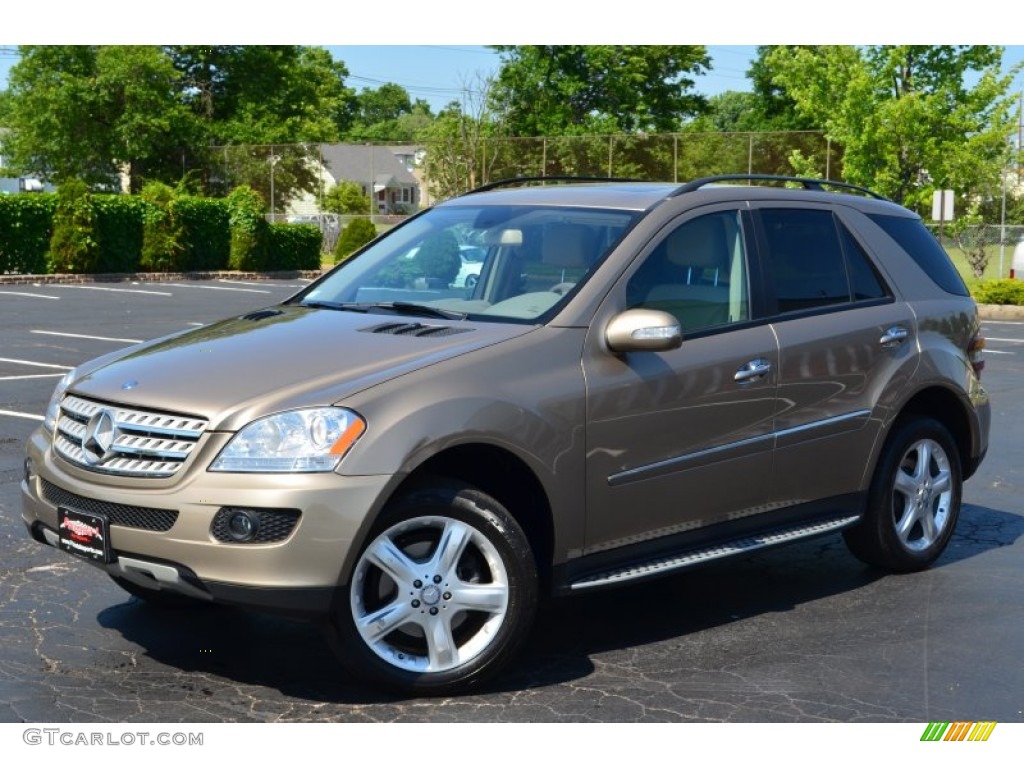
26	225
438	258
205	233
346	197
1000	292
249	230
162	234
78	111
906	116
73	246
353	237
555	90
119	232
294	246
387	114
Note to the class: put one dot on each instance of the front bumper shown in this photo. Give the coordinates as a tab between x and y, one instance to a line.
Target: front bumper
297	575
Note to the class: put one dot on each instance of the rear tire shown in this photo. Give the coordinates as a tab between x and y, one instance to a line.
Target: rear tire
442	595
914	500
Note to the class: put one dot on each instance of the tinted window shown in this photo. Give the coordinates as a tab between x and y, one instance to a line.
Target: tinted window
923	248
698	273
805	259
863	279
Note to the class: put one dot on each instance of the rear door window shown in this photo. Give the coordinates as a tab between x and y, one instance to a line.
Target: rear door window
813	262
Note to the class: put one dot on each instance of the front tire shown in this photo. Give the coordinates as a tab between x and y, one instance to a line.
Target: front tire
914	500
441	596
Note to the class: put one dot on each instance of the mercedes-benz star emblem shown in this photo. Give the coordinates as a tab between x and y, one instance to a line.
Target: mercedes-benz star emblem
99	437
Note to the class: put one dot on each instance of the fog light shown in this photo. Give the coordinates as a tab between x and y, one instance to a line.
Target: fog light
243	525
29	471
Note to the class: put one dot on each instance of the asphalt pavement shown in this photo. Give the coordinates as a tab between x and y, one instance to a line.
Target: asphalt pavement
798	634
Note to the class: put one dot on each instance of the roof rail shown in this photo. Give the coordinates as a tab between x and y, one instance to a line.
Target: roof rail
535	179
816	185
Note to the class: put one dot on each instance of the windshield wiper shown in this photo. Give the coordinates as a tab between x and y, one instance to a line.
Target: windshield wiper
398	307
409	308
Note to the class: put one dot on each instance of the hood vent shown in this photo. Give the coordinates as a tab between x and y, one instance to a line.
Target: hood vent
414	329
262	314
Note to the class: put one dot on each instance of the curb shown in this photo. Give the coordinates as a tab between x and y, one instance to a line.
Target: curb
1000	312
157	277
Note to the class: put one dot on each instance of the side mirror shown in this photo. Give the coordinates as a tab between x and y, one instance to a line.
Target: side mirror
643	330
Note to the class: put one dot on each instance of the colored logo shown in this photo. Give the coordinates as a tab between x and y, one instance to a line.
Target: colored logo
958	731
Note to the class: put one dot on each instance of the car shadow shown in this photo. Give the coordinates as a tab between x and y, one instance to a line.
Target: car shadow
295	658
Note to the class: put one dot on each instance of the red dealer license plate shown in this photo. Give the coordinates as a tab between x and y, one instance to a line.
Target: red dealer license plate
84	534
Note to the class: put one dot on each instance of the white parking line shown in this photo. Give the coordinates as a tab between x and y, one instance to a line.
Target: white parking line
30	295
118	290
37	365
1001	322
1011	341
20	415
31	376
216	288
84	336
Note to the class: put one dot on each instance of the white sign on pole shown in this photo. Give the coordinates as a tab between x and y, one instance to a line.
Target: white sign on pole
942	205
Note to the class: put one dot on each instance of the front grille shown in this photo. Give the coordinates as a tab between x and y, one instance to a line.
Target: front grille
274	524
124	441
146	518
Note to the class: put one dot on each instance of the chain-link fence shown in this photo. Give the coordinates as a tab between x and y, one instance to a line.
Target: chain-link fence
294	178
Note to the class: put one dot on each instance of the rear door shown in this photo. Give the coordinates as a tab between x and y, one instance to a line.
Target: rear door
846	351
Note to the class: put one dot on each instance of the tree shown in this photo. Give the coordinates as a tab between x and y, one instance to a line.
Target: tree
90	112
346	197
87	111
459	154
907	117
388	113
555	90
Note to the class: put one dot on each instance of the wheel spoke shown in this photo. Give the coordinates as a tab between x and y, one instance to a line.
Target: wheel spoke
384	554
942	482
382	622
450	547
489	598
905	524
924	461
906	485
441	648
928	529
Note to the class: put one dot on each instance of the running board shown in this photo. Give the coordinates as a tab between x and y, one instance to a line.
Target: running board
693	557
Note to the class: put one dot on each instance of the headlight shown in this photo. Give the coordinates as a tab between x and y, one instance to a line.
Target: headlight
307	440
50	419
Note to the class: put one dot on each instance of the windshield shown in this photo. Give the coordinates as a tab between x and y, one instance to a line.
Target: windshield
507	263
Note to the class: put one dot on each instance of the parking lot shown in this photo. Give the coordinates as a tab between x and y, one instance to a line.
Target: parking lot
804	633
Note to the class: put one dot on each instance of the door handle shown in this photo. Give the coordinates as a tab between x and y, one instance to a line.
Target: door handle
893	337
752	371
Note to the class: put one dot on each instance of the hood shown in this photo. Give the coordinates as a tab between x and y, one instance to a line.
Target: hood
279	358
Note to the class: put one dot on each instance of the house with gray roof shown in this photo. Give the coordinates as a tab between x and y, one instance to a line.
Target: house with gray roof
395	188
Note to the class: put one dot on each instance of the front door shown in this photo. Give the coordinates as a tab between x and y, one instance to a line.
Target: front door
680	440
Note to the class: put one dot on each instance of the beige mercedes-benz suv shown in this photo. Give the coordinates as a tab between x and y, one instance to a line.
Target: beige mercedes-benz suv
644	377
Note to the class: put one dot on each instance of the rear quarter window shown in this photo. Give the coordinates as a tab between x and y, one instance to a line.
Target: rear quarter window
923	248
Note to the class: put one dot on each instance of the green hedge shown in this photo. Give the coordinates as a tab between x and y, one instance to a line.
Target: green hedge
107	233
206	233
1000	292
26	225
118	229
295	246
